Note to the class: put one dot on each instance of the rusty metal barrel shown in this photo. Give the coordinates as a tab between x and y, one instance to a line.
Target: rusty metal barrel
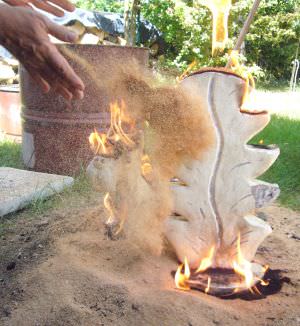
55	131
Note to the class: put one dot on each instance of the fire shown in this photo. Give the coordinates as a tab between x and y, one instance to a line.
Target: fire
183	273
146	166
206	262
220	10
103	144
187	71
243	266
208	285
97	142
116	131
241	70
109	208
182	276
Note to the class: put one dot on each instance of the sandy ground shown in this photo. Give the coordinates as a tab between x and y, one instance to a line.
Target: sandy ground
60	269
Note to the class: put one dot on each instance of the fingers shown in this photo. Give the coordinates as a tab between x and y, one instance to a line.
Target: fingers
54	72
18	3
59	89
64	70
60	32
39	56
39	80
59	74
46	6
63	92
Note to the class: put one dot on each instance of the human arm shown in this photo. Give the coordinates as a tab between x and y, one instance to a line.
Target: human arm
24	33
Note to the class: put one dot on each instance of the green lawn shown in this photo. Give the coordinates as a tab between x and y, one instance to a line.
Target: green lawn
10	154
284	132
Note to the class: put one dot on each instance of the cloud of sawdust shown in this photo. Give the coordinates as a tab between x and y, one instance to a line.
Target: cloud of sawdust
179	130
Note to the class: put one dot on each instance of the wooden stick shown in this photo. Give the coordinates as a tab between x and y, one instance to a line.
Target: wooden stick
245	29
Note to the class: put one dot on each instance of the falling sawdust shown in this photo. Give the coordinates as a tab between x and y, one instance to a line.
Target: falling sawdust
179	129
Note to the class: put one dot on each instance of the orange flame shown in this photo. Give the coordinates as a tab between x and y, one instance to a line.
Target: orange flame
100	142
146	166
187	71
182	277
220	10
97	142
116	131
109	208
243	267
208	285
206	262
240	70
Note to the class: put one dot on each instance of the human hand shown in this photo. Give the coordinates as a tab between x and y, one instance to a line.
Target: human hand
45	5
24	33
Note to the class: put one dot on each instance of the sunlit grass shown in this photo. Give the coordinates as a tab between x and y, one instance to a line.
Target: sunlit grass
284	132
10	154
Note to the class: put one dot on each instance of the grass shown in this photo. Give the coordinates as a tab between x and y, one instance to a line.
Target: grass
284	132
10	154
80	189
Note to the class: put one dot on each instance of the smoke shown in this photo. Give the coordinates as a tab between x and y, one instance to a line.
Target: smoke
178	129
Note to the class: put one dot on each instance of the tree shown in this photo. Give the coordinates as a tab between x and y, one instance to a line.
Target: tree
102	5
132	9
270	44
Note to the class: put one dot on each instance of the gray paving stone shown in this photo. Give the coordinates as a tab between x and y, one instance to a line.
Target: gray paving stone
18	188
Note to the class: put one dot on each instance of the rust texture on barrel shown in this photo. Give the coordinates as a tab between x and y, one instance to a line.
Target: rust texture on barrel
56	132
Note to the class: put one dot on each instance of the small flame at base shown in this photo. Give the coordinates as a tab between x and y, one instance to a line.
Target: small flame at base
243	266
182	277
206	262
240	266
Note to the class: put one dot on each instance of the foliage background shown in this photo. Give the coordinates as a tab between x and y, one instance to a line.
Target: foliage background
270	46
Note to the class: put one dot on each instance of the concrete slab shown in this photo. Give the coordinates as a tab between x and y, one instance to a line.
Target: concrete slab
18	188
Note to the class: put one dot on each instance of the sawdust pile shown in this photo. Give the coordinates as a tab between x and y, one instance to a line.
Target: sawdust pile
179	129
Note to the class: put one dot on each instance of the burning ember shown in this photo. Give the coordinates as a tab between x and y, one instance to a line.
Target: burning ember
243	276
